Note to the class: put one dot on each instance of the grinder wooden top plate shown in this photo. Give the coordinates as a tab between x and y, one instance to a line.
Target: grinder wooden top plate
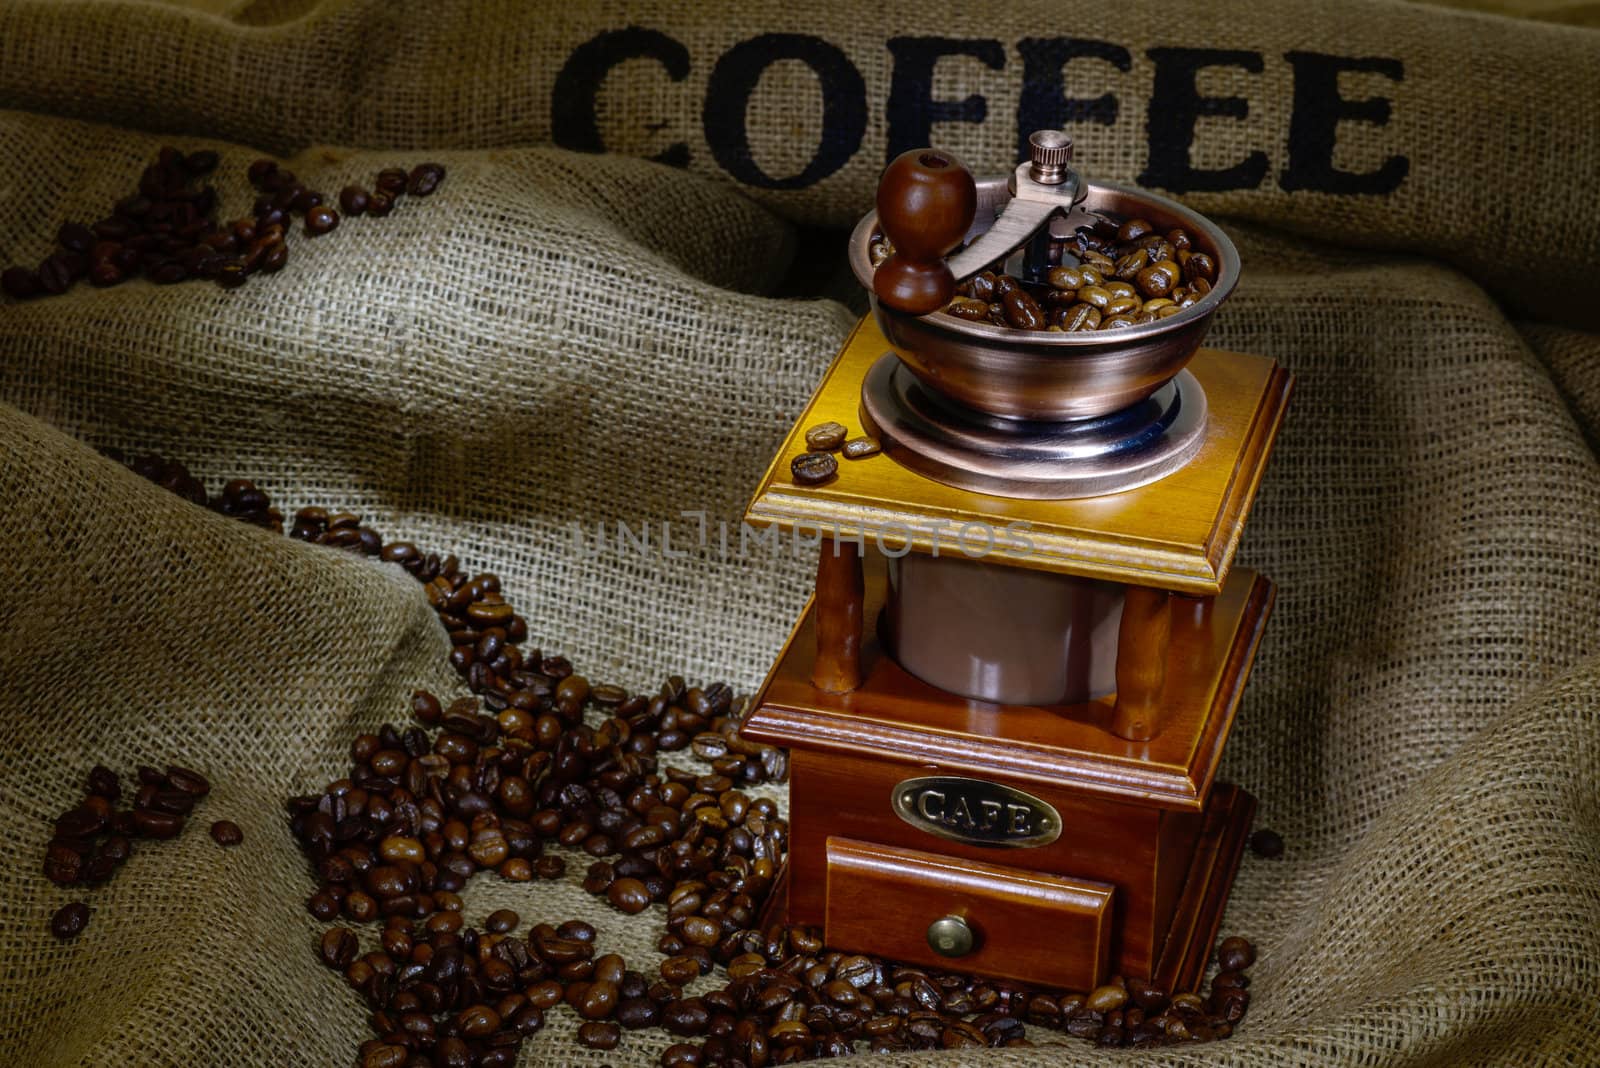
1179	533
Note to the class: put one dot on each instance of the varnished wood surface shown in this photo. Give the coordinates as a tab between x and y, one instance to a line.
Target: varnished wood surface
1143	639
838	614
1119	843
1171	871
1032	927
1204	895
1179	533
897	717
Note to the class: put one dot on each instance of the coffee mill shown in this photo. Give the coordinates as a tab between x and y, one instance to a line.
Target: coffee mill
1008	697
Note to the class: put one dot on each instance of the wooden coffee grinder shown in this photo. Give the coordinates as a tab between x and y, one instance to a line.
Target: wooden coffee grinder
1008	697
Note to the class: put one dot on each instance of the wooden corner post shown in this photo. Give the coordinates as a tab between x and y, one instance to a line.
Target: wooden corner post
840	591
1142	641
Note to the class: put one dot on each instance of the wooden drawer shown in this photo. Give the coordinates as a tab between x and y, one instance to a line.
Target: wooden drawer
1046	929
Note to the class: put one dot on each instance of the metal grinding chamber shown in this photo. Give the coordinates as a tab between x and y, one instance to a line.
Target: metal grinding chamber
1035	414
1004	760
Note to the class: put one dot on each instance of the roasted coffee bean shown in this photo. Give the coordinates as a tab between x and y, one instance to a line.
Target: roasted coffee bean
682	1055
320	220
1158	279
75	237
1128	267
814	468
501	920
1080	317
628	895
1133	230
680	971
55	275
338	947
424	179
232	275
190	782
598	1034
261	170
174	801
353	199
1065	278
636	1013
1106	998
20	283
1147	996
1267	844
105	274
380	203
70	920
1095	296
392	180
971	310
82	822
304	201
826	437
1235	954
478	1021
226	833
598	1001
152	824
1022	311
685	1016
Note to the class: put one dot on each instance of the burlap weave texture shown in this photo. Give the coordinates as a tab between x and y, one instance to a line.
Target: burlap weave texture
559	338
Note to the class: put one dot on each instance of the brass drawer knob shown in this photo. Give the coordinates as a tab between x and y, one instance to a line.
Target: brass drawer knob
950	936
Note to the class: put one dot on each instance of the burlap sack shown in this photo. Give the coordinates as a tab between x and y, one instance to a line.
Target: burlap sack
559	338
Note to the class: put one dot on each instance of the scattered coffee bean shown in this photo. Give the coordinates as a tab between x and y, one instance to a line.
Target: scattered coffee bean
321	220
860	448
501	920
1267	844
226	833
424	179
598	1034
825	437
629	895
813	468
70	920
392	181
353	199
169	231
1235	954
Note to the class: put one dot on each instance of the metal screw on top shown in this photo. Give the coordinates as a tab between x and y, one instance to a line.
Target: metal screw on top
1050	154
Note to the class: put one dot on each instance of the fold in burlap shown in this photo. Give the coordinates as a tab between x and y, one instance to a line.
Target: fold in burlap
557	337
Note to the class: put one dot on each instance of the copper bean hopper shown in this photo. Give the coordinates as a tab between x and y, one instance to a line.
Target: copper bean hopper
1008	697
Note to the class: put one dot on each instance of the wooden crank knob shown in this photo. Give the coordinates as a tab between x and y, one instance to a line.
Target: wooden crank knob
926	201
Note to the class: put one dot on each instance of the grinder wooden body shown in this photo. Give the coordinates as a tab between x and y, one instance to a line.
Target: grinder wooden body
1055	841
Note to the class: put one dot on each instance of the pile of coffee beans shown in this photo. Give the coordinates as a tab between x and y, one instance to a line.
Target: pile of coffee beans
539	760
167	230
240	499
95	838
816	466
1111	276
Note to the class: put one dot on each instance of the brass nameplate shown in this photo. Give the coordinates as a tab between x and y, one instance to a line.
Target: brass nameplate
976	812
